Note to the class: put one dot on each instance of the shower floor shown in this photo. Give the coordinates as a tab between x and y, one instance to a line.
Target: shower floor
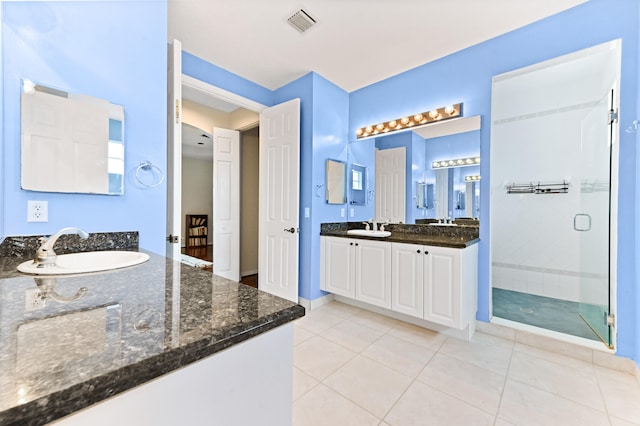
544	312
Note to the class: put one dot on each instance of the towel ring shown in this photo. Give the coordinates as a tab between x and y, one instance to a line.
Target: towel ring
155	171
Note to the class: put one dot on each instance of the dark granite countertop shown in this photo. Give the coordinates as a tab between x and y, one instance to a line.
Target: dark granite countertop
128	327
439	236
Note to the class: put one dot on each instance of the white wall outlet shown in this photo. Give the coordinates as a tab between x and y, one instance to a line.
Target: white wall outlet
37	211
34	300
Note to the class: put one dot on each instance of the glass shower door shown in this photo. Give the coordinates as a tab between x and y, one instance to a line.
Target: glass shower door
592	220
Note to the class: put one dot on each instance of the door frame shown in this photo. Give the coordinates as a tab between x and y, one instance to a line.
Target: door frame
214	92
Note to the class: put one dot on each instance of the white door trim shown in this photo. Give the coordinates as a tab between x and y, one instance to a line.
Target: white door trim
220	93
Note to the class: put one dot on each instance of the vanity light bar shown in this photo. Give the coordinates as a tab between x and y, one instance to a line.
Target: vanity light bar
440	114
459	162
473	178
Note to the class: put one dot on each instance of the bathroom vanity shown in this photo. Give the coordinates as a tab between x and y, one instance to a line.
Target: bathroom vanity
421	273
157	343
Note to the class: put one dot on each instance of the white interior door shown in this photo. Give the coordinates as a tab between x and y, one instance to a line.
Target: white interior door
226	203
390	185
279	199
174	149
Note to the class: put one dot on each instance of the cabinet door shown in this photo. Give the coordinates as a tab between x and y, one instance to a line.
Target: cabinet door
407	288
373	272
442	286
337	268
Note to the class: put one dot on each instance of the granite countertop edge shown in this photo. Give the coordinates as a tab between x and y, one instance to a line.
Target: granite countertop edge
82	395
409	238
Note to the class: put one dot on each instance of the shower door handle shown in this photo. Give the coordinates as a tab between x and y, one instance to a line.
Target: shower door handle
582	222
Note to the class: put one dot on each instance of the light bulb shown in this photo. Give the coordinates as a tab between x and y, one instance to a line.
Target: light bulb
359	132
418	117
449	109
369	129
404	120
393	123
477	160
451	162
469	161
28	86
380	127
435	164
460	161
433	114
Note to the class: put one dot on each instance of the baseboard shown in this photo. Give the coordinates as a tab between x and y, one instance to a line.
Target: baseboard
250	272
465	334
315	303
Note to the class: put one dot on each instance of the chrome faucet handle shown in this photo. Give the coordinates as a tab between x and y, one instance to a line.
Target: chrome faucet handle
366	225
45	255
382	225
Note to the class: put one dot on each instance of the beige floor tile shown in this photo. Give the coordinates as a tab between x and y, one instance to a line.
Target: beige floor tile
339	309
372	386
418	335
322	406
557	358
318	357
318	321
400	355
502	422
302	382
525	405
352	335
621	394
423	405
619	422
373	320
577	384
301	334
475	385
490	352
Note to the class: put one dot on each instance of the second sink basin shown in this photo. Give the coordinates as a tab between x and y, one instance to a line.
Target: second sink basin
368	233
91	261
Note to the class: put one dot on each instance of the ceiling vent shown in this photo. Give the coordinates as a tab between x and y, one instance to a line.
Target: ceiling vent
301	21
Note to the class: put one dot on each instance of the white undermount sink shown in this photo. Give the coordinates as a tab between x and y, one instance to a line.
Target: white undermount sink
91	261
368	233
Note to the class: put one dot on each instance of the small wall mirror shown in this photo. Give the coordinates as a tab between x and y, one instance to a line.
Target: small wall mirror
424	195
336	174
358	185
70	143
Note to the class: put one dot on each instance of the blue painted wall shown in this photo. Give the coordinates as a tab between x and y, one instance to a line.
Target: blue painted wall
92	48
466	76
216	76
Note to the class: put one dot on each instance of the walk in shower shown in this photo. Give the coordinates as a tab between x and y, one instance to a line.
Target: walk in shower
554	193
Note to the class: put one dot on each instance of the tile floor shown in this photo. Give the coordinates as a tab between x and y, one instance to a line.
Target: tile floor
354	367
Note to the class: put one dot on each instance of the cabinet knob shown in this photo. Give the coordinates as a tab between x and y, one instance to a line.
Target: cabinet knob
426	252
350	244
356	243
418	251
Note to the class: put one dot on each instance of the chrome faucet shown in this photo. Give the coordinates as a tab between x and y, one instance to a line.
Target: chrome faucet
382	225
45	256
374	225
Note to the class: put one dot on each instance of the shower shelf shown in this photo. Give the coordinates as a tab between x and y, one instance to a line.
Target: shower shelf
538	188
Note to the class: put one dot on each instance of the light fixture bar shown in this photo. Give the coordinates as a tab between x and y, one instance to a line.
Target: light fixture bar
458	162
473	178
440	114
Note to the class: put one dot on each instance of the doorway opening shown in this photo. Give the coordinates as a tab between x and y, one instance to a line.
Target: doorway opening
202	112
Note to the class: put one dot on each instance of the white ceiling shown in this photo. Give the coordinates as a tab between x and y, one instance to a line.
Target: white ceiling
354	43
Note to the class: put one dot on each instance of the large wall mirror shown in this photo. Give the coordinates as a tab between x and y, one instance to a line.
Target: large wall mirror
336	182
431	188
70	142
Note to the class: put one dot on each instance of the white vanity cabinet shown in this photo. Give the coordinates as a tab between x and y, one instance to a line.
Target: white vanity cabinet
438	284
355	268
407	276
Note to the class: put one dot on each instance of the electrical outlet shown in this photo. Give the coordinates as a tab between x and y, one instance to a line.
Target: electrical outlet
37	211
34	300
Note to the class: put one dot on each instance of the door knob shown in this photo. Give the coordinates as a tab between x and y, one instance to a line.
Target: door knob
292	230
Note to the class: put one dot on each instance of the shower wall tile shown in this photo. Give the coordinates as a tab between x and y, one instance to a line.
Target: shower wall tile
534	287
570	288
